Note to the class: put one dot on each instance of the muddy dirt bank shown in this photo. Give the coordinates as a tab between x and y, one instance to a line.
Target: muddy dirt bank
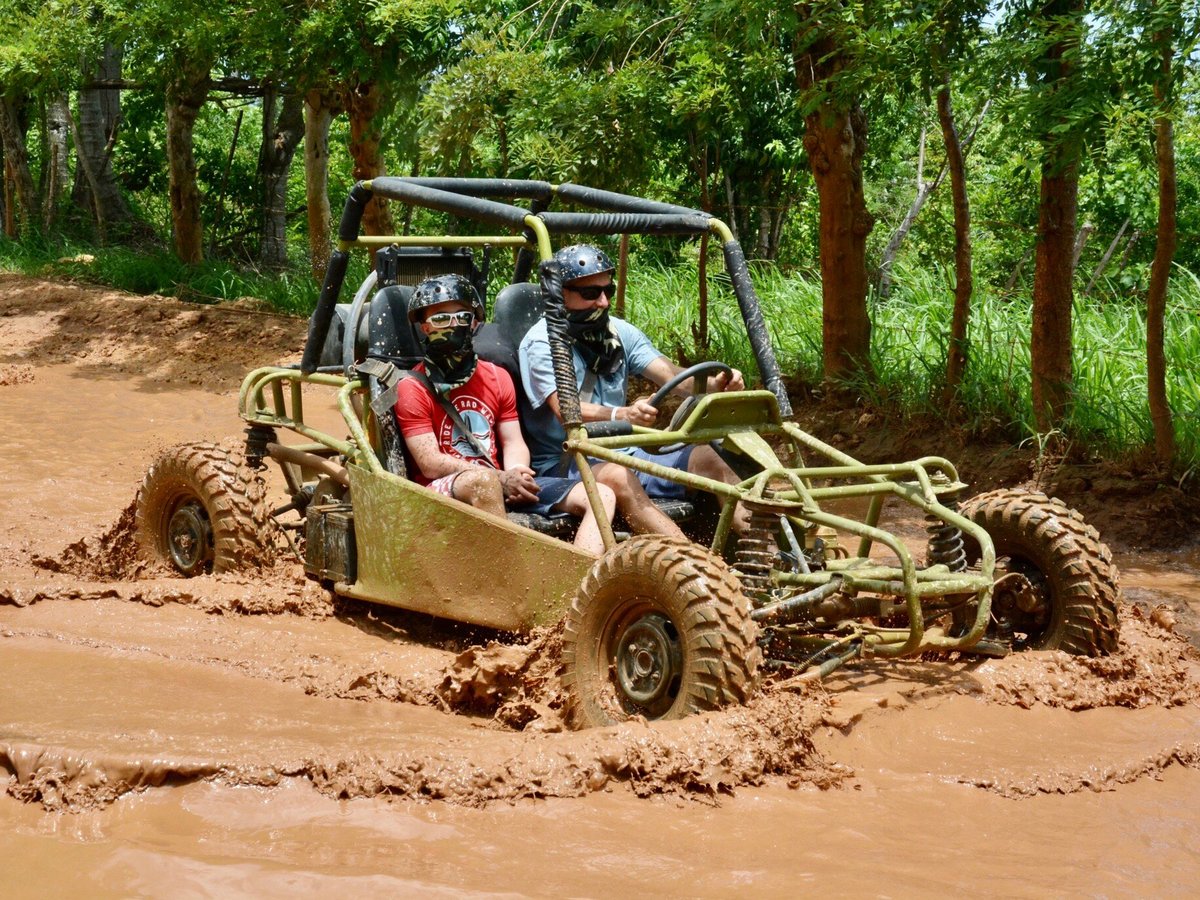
248	734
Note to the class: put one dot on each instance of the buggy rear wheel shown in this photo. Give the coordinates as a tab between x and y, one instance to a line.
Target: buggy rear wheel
660	628
201	509
1059	587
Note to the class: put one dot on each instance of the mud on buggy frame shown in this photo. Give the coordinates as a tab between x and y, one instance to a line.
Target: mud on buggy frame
817	605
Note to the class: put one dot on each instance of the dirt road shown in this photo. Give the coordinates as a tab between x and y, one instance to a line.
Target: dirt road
223	735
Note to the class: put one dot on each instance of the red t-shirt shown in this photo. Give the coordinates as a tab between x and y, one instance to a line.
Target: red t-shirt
485	401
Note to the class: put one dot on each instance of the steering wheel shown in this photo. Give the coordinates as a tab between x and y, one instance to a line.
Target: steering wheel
691	372
700	369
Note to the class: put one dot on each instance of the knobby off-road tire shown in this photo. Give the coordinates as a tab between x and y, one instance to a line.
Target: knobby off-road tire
202	509
1071	570
660	628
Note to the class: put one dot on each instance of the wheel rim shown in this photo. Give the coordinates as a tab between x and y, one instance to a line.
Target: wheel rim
189	537
647	662
1023	605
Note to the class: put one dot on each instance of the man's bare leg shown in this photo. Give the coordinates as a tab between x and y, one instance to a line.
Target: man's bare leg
480	488
637	508
706	462
576	503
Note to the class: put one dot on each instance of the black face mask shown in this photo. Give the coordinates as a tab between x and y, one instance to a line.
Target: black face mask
596	339
581	321
450	356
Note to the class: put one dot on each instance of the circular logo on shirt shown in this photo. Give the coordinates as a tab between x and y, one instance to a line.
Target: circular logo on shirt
478	420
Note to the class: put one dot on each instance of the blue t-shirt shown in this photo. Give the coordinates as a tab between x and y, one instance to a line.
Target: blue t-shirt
545	433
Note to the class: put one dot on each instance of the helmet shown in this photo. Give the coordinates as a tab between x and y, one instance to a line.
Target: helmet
444	289
582	260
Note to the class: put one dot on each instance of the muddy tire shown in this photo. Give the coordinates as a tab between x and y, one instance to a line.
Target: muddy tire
1073	602
660	628
201	509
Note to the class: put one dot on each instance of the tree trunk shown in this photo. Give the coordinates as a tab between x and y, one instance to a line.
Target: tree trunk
367	106
275	162
186	93
318	112
956	361
835	137
1054	266
924	190
1018	268
1104	260
98	120
88	172
1050	341
1160	268
56	170
16	159
1081	239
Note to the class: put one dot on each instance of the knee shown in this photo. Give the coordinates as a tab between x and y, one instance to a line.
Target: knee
478	486
608	497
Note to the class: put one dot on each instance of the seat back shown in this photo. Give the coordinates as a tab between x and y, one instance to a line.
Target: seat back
389	333
517	308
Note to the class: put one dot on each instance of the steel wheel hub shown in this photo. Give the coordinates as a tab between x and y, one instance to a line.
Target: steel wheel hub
648	659
189	537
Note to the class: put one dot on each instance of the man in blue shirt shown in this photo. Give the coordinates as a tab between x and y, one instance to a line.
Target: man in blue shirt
605	352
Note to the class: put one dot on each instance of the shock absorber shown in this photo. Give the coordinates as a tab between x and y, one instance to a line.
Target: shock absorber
257	438
945	545
755	556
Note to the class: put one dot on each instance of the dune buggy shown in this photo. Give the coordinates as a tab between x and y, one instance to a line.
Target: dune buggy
655	627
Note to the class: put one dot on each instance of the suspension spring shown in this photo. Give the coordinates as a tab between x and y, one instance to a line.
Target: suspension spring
755	556
945	545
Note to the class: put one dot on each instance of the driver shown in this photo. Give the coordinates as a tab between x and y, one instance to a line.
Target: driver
606	351
458	415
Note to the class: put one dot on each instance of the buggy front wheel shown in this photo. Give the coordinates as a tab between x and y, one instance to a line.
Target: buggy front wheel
660	628
202	509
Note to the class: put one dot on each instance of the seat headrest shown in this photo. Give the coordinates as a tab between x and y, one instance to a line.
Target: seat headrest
389	333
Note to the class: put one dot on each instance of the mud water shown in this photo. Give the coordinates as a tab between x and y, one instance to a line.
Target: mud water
235	736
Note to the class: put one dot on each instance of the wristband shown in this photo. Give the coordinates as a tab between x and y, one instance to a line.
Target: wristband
613	417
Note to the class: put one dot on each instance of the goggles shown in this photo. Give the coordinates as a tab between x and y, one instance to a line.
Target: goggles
449	319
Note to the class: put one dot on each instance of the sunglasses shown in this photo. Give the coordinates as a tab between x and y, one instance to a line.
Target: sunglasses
593	291
447	319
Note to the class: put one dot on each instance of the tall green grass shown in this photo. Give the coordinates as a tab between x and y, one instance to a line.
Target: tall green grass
909	338
157	272
910	331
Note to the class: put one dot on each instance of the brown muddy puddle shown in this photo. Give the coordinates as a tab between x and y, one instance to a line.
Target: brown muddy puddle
159	739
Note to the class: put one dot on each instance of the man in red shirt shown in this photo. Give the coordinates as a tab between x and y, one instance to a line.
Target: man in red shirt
458	415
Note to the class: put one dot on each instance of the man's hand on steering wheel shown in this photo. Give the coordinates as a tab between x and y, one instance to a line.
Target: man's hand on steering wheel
733	381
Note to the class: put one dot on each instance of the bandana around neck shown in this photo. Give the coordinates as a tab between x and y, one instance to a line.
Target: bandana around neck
596	339
450	357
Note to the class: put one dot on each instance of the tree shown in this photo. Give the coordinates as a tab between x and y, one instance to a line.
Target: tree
1060	107
835	139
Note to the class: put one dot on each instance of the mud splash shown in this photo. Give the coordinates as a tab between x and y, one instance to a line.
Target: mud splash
256	694
112	554
1153	667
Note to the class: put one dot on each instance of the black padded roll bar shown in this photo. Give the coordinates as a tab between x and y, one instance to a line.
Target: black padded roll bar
406	190
756	326
335	274
622	223
490	187
614	202
562	359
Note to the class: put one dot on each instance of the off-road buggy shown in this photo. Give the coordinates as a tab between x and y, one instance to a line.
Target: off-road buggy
655	627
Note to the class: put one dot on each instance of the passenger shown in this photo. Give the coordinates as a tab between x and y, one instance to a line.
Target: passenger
606	351
458	415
